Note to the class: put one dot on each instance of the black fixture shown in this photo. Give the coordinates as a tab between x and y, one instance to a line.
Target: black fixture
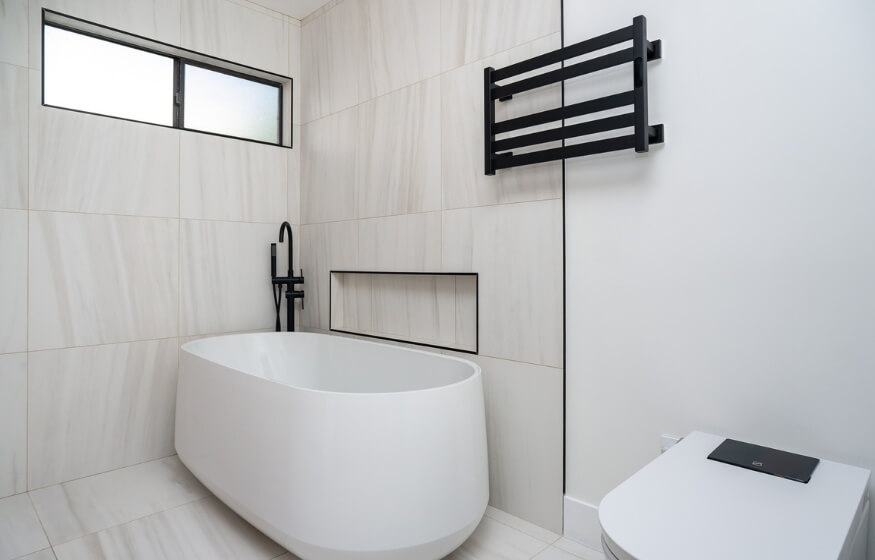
288	281
641	52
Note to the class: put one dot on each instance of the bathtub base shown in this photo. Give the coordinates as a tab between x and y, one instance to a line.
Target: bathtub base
434	549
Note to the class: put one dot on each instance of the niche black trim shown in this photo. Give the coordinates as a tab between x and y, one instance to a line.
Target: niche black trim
402	340
181	57
641	51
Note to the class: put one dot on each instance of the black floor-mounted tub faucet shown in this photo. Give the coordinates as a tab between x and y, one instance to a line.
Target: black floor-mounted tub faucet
288	281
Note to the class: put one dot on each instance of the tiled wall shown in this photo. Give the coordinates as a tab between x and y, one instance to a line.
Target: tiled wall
392	144
120	240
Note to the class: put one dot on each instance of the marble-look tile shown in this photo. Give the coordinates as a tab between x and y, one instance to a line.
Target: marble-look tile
13	281
293	211
401	45
466	313
98	279
225	282
331	47
517	251
530	529
98	408
325	247
464	183
13	32
328	168
227	179
578	550
553	553
20	529
75	509
13	131
495	541
88	163
236	33
156	19
44	554
13	423
524	436
406	243
287	556
398	152
202	529
474	29
415	308
295	70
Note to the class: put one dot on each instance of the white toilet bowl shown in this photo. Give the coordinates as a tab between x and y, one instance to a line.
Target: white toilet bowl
683	506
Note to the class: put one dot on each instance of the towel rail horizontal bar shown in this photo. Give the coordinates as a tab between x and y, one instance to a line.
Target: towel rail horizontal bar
571	51
579	69
565	132
574	150
575	110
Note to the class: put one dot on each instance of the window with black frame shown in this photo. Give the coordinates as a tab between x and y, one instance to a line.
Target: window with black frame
86	71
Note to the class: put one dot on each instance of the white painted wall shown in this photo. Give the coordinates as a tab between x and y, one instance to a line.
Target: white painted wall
726	281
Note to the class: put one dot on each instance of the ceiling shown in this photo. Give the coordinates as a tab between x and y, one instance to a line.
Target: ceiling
298	9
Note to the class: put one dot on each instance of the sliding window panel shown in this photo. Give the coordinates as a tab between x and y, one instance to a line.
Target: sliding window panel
225	104
89	74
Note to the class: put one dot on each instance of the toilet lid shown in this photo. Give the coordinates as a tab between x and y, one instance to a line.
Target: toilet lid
683	506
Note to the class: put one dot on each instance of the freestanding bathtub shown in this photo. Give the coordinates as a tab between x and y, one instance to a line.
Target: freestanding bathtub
337	448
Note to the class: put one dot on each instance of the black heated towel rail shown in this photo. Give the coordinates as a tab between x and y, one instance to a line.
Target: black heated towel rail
498	155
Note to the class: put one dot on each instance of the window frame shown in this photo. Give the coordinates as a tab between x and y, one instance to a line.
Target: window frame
180	57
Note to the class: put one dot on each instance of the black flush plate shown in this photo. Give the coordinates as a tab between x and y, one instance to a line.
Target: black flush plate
765	460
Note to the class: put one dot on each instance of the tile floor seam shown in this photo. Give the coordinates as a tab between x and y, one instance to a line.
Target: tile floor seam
80	537
108	470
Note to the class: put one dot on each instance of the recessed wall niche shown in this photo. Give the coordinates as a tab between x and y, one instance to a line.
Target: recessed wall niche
437	309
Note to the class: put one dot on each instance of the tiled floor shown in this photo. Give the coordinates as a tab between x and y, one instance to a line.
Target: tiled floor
159	510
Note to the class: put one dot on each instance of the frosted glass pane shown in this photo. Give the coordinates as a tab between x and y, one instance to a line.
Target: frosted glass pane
89	74
217	102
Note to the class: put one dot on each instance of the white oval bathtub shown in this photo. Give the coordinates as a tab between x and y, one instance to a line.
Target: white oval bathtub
337	448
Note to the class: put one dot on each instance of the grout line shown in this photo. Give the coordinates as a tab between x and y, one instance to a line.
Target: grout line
134	341
148	216
103	472
440	74
40	520
177	506
497	204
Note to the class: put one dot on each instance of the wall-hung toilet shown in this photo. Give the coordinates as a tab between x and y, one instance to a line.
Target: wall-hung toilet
683	506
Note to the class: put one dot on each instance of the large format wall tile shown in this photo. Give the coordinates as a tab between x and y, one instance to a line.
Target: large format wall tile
293	214
517	249
13	281
524	436
325	247
13	134
330	57
88	163
398	152
401	45
463	180
233	32
100	279
408	243
295	69
13	424
328	168
227	179
155	19
99	408
13	32
474	29
226	276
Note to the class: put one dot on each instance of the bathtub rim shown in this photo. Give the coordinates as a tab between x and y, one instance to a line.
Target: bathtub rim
477	372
